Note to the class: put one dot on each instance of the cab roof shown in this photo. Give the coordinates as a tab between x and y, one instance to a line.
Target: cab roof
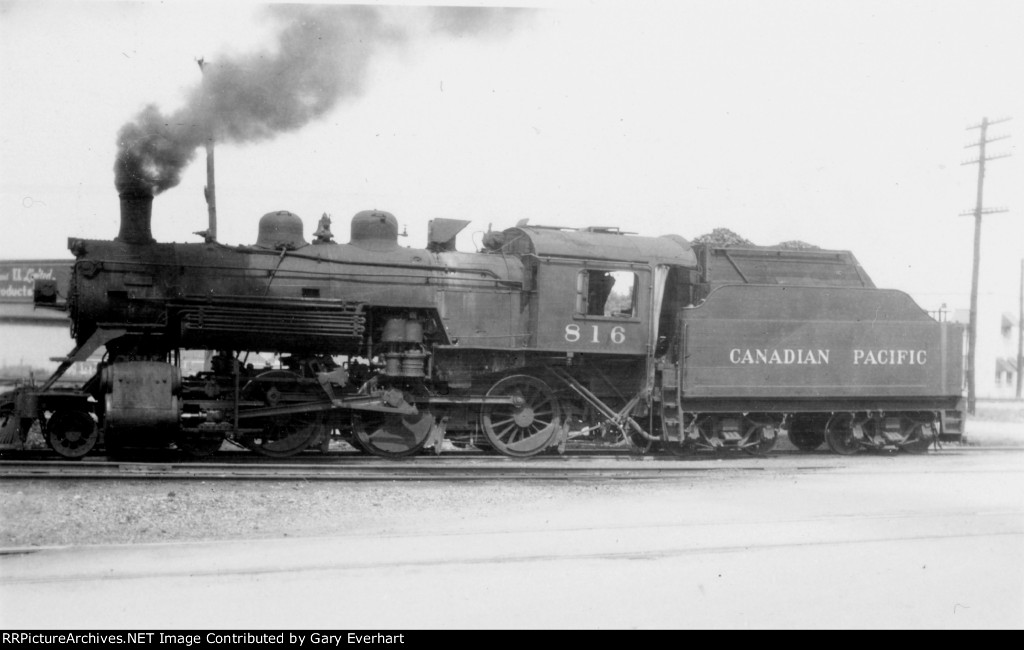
607	244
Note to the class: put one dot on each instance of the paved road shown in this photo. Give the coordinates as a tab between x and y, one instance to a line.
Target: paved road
867	542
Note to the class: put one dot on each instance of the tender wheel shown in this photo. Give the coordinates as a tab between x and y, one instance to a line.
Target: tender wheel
392	436
920	438
526	427
72	434
806	440
807	434
762	436
840	435
764	445
287	435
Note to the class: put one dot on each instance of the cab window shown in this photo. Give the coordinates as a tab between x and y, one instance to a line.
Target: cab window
606	293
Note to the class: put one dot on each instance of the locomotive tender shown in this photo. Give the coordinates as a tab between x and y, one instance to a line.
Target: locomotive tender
544	336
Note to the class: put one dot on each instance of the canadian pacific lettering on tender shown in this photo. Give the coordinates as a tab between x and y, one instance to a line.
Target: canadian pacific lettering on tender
789	357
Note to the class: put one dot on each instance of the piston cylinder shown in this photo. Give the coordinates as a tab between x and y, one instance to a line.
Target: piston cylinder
141	398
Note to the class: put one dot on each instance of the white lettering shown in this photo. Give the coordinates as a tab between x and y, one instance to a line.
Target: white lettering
618	334
889	357
572	333
374	638
786	356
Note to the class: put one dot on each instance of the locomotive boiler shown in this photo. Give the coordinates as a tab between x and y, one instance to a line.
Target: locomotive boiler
544	337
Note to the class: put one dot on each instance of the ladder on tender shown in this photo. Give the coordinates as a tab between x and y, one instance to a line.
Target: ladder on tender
673	429
952	425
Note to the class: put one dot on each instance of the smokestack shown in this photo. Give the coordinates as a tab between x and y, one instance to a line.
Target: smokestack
136	210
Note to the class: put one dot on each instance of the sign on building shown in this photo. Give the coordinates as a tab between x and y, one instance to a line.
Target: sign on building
17	278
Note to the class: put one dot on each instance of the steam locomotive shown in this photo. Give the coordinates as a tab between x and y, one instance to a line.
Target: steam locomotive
544	338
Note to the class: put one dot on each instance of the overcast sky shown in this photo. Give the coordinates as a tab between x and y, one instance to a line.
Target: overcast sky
841	123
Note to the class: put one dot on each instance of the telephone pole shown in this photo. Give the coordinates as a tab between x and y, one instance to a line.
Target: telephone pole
1020	334
979	210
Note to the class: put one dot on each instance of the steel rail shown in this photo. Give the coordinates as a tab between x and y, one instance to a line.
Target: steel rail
357	471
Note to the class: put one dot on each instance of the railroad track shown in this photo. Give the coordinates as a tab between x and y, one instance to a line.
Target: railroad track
374	470
456	466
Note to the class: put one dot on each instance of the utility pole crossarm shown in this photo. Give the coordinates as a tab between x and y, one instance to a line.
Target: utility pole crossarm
986	159
978	144
971	213
985	122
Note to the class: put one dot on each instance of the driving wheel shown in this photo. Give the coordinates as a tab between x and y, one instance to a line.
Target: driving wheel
288	435
390	435
528	425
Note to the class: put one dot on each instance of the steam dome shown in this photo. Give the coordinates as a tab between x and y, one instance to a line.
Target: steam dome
281	229
374	230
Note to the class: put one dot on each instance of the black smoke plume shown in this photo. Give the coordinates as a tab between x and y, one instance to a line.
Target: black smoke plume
320	58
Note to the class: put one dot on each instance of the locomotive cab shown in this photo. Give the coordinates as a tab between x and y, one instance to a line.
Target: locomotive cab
596	291
598	301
